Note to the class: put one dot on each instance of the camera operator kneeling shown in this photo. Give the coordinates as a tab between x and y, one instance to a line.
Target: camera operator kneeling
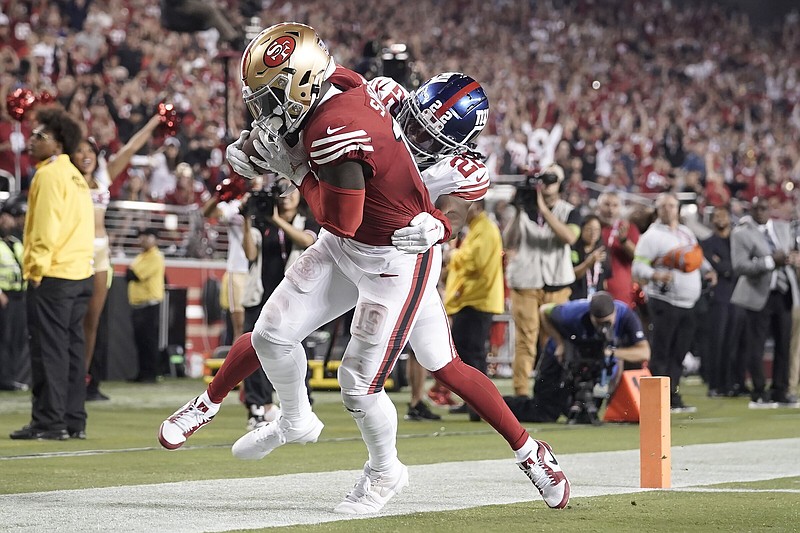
580	364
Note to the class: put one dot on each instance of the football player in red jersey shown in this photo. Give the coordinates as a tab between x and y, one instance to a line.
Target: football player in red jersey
352	264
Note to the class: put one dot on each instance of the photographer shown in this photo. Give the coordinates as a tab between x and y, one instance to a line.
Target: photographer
275	234
539	271
587	339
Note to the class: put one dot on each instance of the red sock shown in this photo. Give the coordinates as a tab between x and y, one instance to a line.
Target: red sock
240	362
482	396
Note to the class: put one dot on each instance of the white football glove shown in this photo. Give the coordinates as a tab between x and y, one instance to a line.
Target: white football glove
277	156
238	160
422	232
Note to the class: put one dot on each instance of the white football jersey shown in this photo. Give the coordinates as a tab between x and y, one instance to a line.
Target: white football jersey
390	93
460	175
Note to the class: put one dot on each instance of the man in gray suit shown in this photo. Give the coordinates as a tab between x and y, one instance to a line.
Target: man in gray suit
762	256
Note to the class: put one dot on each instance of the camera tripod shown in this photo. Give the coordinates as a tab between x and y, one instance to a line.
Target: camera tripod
584	406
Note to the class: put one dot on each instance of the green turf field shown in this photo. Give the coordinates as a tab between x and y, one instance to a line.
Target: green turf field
122	450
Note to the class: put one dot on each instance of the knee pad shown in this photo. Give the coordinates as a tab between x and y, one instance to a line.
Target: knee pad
358	406
267	347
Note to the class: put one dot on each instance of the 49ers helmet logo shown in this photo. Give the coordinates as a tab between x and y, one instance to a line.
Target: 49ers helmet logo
279	51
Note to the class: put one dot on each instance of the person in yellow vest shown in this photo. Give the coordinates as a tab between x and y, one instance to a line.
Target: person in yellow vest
13	334
474	289
58	245
145	293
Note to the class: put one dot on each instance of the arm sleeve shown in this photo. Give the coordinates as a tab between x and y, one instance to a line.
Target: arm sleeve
46	223
341	211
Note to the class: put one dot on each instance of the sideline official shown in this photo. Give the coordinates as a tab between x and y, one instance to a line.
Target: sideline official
57	263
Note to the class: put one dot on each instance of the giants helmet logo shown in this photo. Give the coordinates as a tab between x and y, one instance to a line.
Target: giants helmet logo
279	51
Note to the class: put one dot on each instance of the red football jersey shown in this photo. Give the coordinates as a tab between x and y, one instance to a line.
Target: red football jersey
355	126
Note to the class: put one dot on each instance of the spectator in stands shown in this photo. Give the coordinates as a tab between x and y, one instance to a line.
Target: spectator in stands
99	174
670	260
13	328
164	178
473	292
540	270
619	237
145	278
590	261
767	288
187	191
727	320
135	188
57	263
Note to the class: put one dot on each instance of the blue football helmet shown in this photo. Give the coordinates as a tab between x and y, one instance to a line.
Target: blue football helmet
443	116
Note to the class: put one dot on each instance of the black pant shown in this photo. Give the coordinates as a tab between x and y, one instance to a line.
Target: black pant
98	368
145	332
13	339
55	320
257	387
774	320
726	353
471	336
673	330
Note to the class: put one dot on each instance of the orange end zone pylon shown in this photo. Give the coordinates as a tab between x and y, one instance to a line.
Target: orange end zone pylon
655	435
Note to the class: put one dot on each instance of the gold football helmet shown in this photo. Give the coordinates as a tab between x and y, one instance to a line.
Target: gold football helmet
282	71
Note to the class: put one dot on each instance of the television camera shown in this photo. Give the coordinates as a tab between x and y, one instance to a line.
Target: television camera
526	194
261	204
589	365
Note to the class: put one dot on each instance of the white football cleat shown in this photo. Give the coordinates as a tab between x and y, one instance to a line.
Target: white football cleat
373	489
543	470
262	440
185	421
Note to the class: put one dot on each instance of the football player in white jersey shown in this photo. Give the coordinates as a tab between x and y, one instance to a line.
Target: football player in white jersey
373	489
466	179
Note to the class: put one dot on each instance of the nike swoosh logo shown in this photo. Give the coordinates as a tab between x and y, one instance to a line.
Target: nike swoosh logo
384	275
331	131
553	459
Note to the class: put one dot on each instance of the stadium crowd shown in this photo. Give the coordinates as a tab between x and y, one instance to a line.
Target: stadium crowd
648	96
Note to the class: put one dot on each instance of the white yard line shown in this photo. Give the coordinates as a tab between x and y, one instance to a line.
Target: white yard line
222	505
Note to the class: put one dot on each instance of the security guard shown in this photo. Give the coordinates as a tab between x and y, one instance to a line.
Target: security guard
12	301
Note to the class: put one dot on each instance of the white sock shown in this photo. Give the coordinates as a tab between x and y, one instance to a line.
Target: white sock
526	450
203	398
376	418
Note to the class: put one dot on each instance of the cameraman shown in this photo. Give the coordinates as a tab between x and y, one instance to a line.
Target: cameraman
275	234
538	243
601	321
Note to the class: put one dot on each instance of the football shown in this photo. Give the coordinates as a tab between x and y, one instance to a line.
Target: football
249	146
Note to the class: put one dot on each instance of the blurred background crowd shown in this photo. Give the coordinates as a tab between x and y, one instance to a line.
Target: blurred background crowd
644	96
